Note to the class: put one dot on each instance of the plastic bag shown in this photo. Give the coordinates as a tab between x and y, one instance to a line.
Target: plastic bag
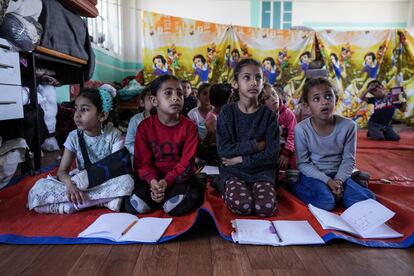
24	33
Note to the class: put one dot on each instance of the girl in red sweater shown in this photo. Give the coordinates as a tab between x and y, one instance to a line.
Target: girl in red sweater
165	149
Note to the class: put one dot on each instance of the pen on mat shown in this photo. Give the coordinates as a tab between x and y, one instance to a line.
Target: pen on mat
274	230
129	227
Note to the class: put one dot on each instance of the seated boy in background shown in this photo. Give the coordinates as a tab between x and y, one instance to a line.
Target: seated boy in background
379	124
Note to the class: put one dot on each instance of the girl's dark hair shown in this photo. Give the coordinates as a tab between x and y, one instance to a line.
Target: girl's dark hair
201	57
235	51
93	95
314	82
202	87
244	62
145	92
219	94
306	53
164	61
156	83
372	55
335	56
185	81
271	60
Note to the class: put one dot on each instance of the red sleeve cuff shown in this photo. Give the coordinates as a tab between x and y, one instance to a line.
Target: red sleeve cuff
170	179
150	177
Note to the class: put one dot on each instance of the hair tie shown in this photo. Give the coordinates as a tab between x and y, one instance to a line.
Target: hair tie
106	97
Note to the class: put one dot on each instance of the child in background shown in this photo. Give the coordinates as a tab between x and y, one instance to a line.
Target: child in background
219	96
287	124
190	101
379	124
198	114
325	151
167	144
64	195
144	102
283	97
248	144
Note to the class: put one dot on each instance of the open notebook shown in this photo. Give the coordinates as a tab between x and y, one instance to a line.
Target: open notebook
276	233
122	227
365	219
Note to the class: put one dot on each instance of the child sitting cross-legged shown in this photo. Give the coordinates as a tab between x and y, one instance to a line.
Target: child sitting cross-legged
325	145
165	148
67	194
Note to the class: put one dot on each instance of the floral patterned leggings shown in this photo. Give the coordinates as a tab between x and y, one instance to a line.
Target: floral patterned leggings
243	200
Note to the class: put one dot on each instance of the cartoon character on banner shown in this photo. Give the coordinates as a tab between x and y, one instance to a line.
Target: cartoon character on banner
235	58
338	74
160	66
227	56
407	81
283	59
226	72
370	69
346	54
212	55
173	59
270	70
202	71
351	106
295	93
245	51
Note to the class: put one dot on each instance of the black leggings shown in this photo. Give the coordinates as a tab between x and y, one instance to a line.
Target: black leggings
193	191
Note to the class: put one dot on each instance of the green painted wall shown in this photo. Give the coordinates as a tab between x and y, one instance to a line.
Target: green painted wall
109	68
254	13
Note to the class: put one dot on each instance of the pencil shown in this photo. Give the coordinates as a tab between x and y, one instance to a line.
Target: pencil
129	227
277	233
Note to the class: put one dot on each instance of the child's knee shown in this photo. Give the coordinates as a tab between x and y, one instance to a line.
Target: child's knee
264	195
238	197
240	206
135	205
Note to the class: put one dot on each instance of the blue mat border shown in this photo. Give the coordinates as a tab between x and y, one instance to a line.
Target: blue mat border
17	239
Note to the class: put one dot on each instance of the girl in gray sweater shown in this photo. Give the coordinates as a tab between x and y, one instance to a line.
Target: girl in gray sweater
248	146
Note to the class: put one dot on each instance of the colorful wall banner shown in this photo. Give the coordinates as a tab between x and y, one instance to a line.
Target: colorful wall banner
207	52
354	59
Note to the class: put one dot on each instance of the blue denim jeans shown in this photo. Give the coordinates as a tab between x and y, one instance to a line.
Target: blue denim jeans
317	193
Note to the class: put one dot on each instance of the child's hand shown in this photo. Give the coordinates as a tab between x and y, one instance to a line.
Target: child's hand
336	187
283	162
232	161
158	190
261	145
74	195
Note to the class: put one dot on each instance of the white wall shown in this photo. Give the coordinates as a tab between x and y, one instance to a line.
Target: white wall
236	12
354	14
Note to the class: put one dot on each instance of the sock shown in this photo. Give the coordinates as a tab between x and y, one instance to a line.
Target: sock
170	204
139	205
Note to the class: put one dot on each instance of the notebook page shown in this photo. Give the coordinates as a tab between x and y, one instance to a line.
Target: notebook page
364	216
253	231
211	170
297	232
330	220
108	226
382	232
147	230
